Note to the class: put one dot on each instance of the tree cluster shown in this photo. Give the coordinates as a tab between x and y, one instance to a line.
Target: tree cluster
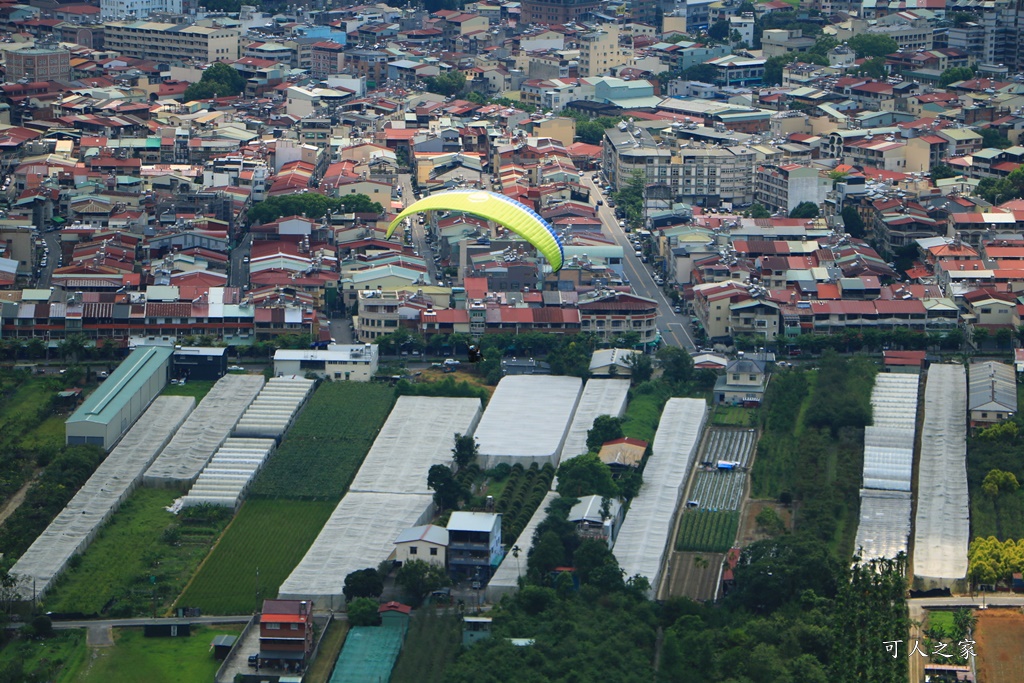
419	579
219	80
955	74
312	205
630	198
804	210
990	560
448	84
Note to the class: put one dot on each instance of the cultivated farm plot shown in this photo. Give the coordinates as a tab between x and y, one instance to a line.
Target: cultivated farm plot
718	489
707	530
323	450
693	575
734	445
1000	658
268	536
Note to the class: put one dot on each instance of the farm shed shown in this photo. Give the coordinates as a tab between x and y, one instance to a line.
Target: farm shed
644	536
203	433
226	479
889	440
118	475
355	362
360	533
208	363
884	524
942	525
419	432
109	411
599	397
506	576
540	408
991	393
276	407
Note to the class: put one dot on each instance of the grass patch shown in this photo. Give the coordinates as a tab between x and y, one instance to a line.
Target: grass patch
324	449
142	541
733	416
941	620
53	659
327	655
271	535
137	659
711	531
432	643
48	435
197	389
644	410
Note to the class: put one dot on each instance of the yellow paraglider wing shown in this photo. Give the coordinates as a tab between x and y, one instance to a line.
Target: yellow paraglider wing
491	206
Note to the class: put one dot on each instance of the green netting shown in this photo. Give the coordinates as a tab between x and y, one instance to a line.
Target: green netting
369	654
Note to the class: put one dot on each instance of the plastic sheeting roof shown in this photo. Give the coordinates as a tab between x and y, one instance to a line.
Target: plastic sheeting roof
231	470
360	533
369	654
599	397
419	432
537	409
506	576
644	536
992	386
889	441
942	525
273	411
118	475
884	524
204	431
387	496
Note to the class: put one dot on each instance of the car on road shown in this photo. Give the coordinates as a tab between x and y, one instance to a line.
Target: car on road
245	259
639	253
600	203
677	309
622	224
235	367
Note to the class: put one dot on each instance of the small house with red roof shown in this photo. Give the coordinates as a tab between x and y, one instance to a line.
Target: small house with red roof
286	631
394	614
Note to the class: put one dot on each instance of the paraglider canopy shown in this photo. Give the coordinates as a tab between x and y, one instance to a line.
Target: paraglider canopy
491	206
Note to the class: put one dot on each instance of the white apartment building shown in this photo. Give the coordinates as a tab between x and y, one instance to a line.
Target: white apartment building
111	10
160	42
784	187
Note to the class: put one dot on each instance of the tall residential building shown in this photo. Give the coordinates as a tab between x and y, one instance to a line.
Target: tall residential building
140	9
557	11
600	51
628	148
38	64
784	187
712	175
328	58
172	42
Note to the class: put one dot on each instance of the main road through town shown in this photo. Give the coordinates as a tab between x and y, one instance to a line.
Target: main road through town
674	327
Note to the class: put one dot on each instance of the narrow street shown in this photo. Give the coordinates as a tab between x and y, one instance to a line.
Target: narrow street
419	233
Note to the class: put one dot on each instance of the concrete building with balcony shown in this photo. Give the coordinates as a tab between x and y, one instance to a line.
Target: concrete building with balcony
738	71
173	43
474	544
628	148
141	9
776	42
708	176
328	58
600	51
352	362
784	187
609	314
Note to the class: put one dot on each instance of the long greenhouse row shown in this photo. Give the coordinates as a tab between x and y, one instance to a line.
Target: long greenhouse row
206	429
884	527
644	536
276	407
942	525
387	496
599	397
232	469
118	475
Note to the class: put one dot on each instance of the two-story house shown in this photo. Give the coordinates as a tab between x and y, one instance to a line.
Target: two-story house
286	632
427	542
743	383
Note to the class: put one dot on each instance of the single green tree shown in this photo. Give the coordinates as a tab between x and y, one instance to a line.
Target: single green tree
363	583
586	475
606	428
363	612
804	210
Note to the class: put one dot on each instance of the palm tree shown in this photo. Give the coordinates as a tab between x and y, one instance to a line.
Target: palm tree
73	347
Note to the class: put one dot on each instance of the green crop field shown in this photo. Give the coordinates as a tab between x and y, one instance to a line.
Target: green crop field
137	659
323	450
269	535
710	531
142	552
52	659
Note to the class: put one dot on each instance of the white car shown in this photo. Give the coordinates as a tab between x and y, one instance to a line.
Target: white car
639	253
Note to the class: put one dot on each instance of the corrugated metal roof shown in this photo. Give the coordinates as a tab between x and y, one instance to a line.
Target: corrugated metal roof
992	386
106	402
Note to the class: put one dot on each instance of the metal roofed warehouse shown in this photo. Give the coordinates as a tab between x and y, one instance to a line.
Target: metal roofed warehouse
599	397
203	433
118	475
644	536
536	409
109	411
942	526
